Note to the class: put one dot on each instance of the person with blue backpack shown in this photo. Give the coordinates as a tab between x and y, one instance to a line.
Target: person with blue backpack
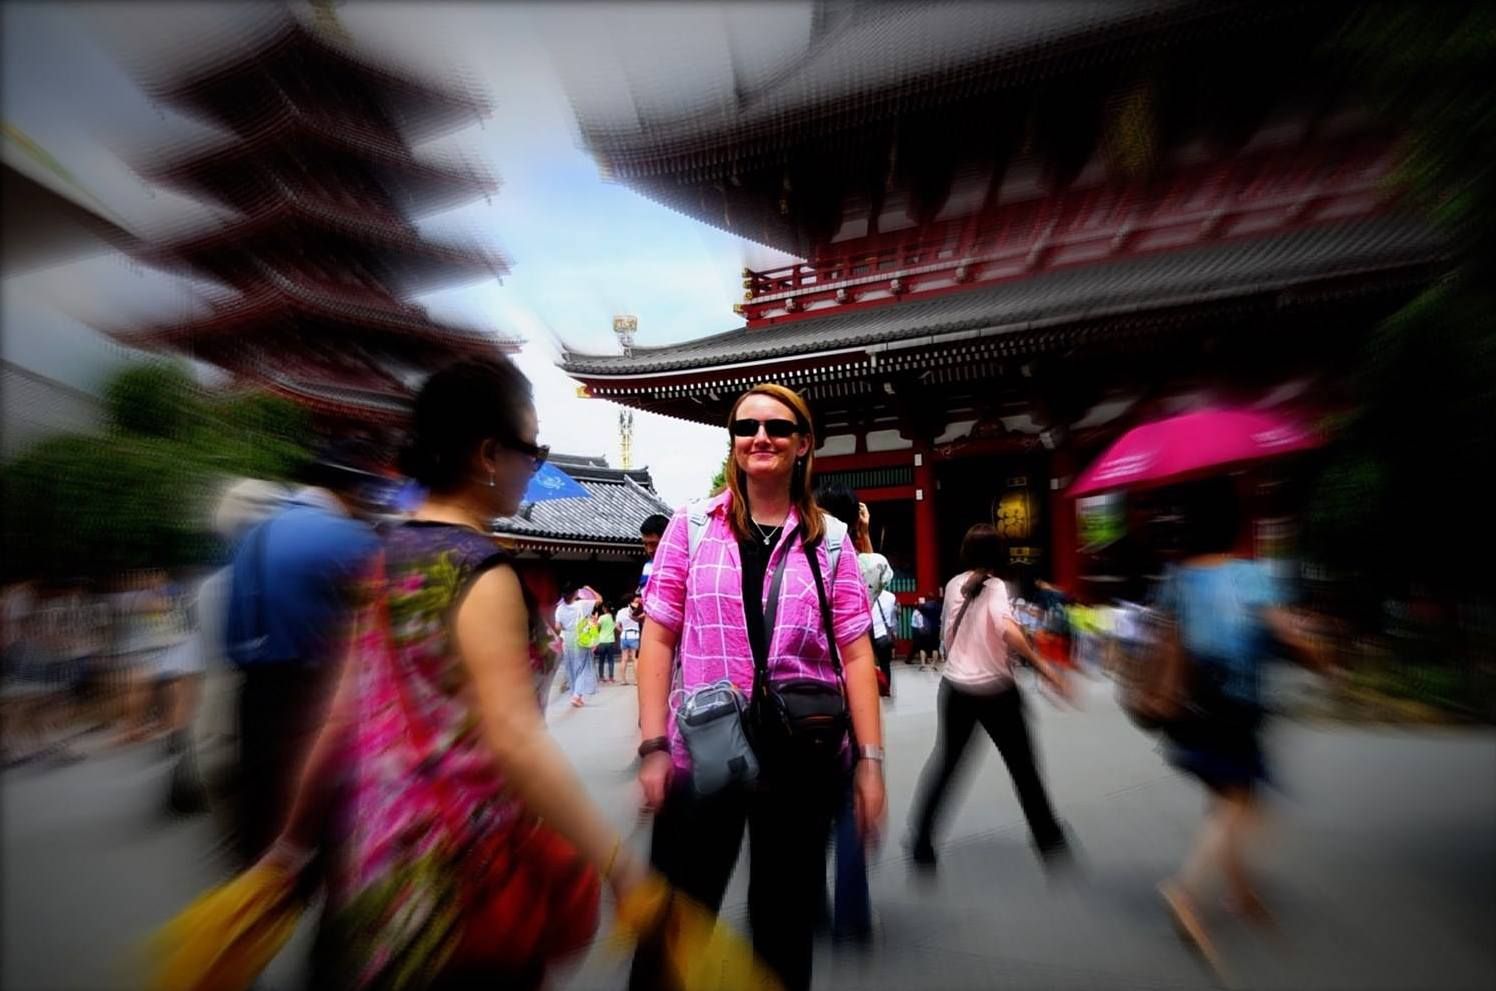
290	597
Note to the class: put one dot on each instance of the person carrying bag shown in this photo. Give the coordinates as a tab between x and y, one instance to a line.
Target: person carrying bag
760	622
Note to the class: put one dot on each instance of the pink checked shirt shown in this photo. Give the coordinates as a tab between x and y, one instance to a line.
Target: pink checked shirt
702	602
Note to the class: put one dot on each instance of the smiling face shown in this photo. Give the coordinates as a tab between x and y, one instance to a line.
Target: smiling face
761	456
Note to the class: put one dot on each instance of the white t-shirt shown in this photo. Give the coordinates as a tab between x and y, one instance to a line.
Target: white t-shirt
627	624
885	614
568	614
977	659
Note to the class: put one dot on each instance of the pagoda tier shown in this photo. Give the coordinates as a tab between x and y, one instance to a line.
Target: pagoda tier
349	239
291	336
289	66
301	148
319	254
327	308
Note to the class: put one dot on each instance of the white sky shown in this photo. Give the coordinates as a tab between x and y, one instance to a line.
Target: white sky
581	249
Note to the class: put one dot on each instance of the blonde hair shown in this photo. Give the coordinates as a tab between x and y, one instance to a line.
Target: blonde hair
801	495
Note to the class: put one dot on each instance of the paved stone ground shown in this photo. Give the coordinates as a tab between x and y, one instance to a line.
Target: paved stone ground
1380	862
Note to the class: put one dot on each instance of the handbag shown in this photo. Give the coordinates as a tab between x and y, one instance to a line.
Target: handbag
227	936
802	720
1155	682
711	725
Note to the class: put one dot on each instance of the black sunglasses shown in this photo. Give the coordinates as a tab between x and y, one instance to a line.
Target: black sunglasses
537	452
774	428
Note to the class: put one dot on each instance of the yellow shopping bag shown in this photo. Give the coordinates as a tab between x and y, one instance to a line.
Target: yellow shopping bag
223	940
699	954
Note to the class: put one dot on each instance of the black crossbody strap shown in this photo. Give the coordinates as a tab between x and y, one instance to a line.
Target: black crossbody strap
815	571
946	646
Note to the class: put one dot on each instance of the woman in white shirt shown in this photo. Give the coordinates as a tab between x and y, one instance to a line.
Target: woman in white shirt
628	635
978	687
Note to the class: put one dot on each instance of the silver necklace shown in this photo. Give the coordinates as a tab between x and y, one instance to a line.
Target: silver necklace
768	534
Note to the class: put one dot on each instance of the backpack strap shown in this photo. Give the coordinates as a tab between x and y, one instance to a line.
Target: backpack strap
835	536
696	520
815	571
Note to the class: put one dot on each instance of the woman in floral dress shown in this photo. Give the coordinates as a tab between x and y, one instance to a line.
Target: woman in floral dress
460	846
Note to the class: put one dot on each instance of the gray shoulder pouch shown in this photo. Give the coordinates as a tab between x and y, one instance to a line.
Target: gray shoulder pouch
711	724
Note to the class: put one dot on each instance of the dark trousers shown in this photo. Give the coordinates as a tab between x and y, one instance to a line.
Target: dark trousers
1001	715
606	654
695	846
280	706
852	911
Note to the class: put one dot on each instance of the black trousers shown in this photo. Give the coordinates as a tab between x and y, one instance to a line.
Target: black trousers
1001	715
695	846
280	707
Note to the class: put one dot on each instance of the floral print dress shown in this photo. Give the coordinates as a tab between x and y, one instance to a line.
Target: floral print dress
421	785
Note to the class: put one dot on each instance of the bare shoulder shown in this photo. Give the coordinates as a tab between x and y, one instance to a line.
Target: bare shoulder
492	594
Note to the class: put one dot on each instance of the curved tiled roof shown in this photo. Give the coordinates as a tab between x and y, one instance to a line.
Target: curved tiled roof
619	500
884	60
1149	282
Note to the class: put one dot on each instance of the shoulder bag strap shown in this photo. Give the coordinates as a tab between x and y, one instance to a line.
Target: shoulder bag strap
815	571
945	647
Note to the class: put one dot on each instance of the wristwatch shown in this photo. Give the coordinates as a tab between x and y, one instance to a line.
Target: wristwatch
654	745
870	751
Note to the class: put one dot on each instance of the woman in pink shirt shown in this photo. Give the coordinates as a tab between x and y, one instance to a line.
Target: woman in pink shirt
978	687
710	608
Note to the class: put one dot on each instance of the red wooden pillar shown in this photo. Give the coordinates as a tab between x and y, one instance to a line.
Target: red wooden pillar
1062	530
926	533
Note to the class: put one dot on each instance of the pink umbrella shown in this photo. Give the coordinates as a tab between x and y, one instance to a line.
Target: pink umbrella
1190	445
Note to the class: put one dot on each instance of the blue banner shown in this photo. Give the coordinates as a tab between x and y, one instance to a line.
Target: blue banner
551	482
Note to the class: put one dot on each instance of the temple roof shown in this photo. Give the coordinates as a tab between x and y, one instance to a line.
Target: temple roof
880	60
890	105
1221	271
620	499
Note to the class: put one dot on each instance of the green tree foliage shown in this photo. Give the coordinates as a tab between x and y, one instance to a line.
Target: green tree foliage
140	495
153	399
1398	501
719	480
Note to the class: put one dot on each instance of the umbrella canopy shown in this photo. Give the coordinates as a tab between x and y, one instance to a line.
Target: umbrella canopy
1192	444
551	482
